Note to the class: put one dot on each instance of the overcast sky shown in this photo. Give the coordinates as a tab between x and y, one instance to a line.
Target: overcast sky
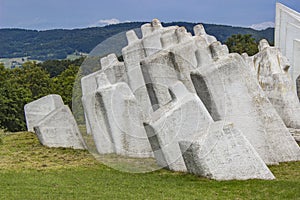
49	14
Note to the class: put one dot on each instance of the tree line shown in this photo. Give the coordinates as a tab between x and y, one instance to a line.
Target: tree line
57	44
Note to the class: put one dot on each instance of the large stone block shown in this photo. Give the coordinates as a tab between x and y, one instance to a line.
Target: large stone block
59	129
97	128
88	87
37	110
272	73
120	119
223	153
114	70
133	54
182	118
53	123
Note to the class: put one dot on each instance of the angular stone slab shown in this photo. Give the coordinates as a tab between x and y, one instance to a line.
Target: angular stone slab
133	54
121	119
59	129
88	87
182	118
97	127
37	110
223	153
139	49
272	72
114	70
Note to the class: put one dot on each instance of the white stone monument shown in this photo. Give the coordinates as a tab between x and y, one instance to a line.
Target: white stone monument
190	93
53	122
34	112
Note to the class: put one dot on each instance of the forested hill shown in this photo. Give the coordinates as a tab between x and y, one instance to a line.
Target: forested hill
58	43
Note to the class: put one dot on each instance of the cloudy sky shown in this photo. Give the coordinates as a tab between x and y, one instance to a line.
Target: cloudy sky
49	14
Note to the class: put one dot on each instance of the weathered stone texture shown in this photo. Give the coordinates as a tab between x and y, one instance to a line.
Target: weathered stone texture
184	117
223	153
59	129
40	108
272	72
53	123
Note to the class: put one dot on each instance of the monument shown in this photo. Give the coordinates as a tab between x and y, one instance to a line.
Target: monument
53	123
191	95
186	101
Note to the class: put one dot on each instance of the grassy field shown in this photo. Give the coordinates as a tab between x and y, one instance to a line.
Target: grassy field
31	171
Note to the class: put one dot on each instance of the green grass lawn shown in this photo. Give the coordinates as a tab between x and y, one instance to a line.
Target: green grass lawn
30	171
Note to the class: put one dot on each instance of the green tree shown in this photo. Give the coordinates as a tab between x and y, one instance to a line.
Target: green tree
34	78
18	87
56	67
12	100
242	44
64	83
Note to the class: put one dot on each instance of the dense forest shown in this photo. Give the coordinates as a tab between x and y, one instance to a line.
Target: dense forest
57	44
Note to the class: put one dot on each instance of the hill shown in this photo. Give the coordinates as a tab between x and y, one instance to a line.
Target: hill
58	43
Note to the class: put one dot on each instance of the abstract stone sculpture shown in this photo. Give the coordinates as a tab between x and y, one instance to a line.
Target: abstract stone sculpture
189	92
53	123
184	57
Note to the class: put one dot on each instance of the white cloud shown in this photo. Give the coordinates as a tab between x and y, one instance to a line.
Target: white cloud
262	26
103	22
109	21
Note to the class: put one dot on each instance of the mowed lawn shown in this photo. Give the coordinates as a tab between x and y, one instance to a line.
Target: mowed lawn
30	171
